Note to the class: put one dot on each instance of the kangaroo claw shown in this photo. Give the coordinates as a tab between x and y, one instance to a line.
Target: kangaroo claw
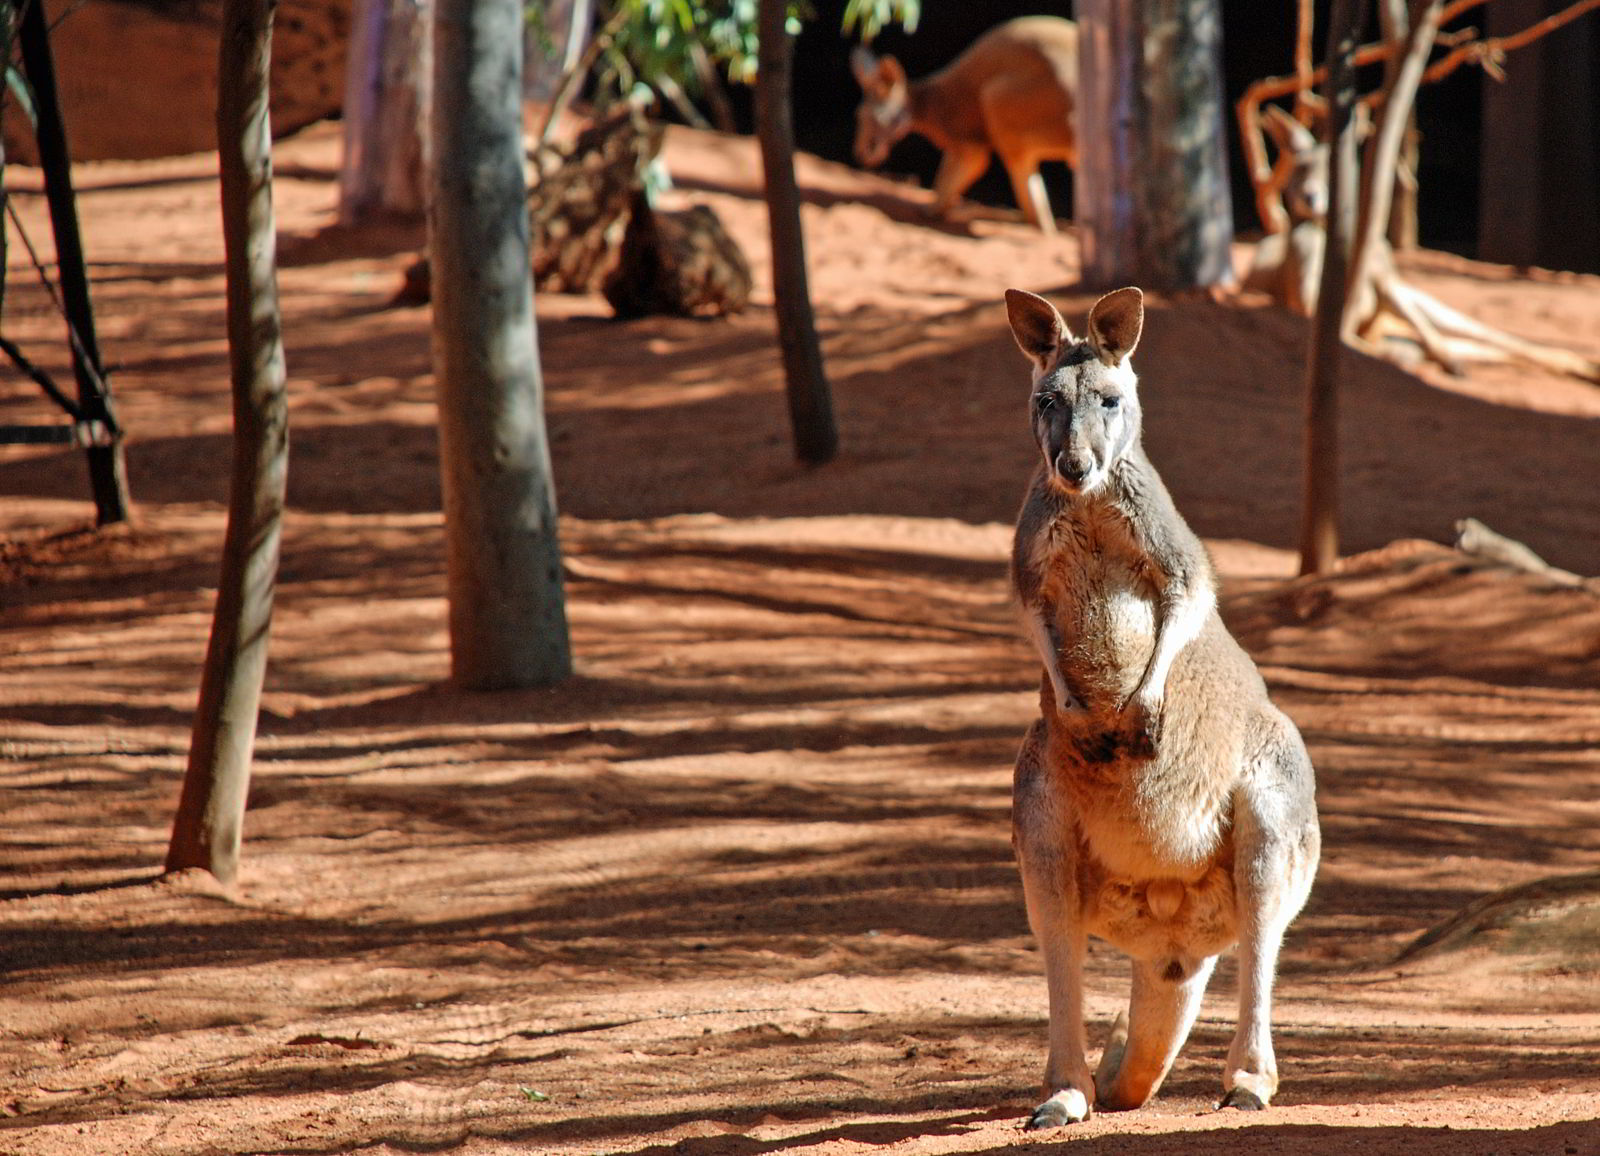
1067	1106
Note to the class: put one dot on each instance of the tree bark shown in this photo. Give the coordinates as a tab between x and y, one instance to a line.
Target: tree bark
816	438
1151	189
207	831
1319	523
388	71
508	625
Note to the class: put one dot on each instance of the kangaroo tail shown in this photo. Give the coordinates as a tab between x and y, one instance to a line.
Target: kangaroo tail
1145	1039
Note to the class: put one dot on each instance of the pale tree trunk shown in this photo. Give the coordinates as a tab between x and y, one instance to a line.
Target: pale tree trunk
1394	22
387	77
1319	521
508	625
816	439
1151	194
210	815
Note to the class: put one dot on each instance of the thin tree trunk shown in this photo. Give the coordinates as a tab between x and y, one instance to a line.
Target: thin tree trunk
1319	524
1153	203
1394	21
108	479
816	438
1383	151
508	625
210	815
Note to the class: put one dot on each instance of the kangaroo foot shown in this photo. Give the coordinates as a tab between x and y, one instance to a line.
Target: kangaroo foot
1067	1106
1243	1099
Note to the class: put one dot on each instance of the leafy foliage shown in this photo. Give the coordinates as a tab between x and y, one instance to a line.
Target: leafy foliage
663	44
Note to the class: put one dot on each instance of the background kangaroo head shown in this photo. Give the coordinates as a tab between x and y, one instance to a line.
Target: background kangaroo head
1085	401
1305	191
884	114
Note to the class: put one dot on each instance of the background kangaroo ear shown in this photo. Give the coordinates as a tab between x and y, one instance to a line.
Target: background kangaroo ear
864	65
1037	326
1287	133
1115	323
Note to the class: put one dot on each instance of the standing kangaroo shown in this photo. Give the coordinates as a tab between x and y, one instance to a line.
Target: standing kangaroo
1160	802
1012	93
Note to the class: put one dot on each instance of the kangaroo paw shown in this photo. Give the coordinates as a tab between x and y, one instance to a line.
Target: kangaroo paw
1243	1099
1067	1106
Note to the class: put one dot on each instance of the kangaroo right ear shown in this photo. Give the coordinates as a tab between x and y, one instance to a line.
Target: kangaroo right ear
1286	132
1037	326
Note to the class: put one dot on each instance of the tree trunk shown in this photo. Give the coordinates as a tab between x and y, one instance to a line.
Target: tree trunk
1152	199
1319	523
508	625
108	479
1539	184
388	71
1394	22
211	810
816	439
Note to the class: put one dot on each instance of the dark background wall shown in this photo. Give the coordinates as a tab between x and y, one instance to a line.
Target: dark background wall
1534	177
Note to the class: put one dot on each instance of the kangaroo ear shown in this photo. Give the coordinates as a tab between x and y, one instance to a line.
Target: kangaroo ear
1286	132
1115	323
1037	326
864	65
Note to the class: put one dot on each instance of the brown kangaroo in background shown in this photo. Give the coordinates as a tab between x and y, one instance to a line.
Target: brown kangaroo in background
1160	802
1012	92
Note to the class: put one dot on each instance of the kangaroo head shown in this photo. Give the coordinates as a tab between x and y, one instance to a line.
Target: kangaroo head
884	114
1305	190
1085	401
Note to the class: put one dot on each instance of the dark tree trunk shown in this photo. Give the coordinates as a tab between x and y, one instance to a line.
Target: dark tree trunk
210	817
816	439
508	625
108	478
388	70
1319	523
1151	189
1539	184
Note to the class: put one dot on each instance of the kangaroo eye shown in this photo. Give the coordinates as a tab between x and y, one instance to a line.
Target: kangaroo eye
1110	402
1044	402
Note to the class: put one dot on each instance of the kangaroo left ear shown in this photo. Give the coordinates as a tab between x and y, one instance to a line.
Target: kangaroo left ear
1115	323
1037	326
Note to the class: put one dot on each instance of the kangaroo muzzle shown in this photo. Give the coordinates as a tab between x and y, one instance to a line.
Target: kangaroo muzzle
1074	468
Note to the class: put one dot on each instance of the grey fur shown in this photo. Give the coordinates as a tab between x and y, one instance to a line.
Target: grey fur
1161	802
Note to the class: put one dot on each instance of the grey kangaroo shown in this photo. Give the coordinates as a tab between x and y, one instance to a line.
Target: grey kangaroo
1160	802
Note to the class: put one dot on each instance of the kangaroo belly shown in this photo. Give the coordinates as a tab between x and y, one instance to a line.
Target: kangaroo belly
1164	918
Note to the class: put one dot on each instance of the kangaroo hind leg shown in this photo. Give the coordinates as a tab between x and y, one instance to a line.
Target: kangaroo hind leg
1049	891
1145	1041
1276	842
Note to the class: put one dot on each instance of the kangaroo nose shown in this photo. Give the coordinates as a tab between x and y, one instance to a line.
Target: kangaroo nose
1072	468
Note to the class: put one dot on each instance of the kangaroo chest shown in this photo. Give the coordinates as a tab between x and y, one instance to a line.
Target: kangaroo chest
1099	591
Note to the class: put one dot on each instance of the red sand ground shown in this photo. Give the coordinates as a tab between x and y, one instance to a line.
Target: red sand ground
743	886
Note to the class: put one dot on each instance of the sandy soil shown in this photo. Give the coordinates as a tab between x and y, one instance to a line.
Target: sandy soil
743	886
